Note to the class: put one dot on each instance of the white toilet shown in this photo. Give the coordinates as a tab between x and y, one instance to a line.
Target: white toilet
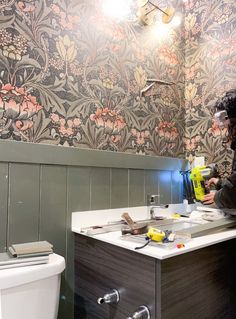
31	292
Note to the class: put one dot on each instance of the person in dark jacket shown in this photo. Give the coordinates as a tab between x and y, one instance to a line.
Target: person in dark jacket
225	196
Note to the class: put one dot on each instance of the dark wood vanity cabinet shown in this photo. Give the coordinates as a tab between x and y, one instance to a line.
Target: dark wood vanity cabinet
199	284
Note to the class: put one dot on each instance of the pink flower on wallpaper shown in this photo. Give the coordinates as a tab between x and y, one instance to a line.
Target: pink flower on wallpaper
190	72
167	130
225	47
18	105
26	7
168	55
65	127
108	119
191	143
215	130
66	21
140	136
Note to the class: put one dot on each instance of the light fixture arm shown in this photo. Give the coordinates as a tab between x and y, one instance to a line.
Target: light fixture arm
158	8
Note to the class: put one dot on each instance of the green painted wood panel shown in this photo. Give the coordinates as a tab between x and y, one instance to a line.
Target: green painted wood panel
78	188
11	151
176	187
3	205
136	188
23	206
119	188
151	183
53	206
100	188
165	187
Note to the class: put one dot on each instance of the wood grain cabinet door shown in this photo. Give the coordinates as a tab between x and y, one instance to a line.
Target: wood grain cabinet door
100	268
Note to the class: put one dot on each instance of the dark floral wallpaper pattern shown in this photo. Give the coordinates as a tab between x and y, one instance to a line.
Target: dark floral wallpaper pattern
72	75
210	71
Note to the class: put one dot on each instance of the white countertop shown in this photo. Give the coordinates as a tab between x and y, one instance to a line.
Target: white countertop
89	218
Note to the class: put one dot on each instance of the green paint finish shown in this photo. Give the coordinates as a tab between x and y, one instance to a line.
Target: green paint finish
100	188
119	188
78	188
165	187
50	154
3	205
176	187
136	188
23	206
151	183
53	206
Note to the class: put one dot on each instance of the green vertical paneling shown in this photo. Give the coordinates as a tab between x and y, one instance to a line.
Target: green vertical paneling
136	188
119	188
177	187
79	188
3	205
53	207
151	183
100	188
23	210
165	187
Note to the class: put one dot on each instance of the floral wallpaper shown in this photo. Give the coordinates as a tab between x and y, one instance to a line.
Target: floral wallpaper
210	71
73	75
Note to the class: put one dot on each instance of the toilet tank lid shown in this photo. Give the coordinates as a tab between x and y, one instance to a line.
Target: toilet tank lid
13	277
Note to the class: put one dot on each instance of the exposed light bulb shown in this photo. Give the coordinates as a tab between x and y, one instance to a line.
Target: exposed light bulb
176	21
161	30
117	9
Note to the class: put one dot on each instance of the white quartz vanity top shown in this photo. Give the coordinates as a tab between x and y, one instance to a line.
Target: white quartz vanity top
99	217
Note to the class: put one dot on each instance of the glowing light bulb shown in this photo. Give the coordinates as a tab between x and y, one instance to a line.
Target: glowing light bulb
117	8
161	30
176	21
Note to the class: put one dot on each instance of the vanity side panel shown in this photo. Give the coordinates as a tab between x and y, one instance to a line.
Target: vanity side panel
100	268
197	284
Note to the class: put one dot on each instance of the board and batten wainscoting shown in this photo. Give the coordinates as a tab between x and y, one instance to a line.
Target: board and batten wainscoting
41	185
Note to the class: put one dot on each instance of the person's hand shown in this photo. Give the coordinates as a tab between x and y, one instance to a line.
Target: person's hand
209	198
212	181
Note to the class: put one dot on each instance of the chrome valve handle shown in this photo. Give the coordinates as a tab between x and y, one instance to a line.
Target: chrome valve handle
111	297
141	313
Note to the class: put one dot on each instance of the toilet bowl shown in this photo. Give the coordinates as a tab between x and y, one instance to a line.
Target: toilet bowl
31	292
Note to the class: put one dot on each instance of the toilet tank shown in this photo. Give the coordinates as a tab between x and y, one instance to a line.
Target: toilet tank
31	292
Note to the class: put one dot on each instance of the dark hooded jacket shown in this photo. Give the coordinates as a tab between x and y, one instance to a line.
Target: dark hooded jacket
225	197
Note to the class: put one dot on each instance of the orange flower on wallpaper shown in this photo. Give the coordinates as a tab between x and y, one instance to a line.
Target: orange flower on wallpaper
168	55
65	127
167	130
17	105
191	143
108	119
222	14
26	7
66	21
140	136
215	130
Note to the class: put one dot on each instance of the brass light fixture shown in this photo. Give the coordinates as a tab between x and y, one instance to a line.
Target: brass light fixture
147	12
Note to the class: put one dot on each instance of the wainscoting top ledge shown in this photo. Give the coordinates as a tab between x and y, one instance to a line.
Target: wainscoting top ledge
23	152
